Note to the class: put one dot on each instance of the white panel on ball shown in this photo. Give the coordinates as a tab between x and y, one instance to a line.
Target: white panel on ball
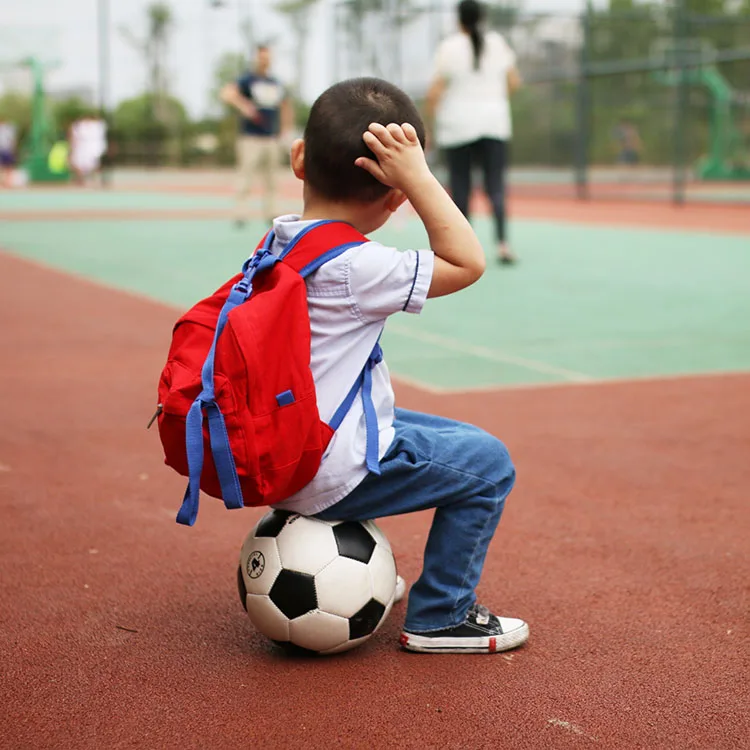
319	631
377	534
266	616
306	545
260	564
343	587
382	569
347	646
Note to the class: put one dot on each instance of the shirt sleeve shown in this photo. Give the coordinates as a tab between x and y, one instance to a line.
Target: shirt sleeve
441	64
384	281
243	84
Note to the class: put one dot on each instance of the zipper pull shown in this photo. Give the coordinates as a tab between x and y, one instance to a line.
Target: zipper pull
157	413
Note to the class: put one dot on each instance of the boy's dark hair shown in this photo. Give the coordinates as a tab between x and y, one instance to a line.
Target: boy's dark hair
333	136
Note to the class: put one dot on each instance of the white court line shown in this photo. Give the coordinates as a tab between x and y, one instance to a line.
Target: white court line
491	355
587	380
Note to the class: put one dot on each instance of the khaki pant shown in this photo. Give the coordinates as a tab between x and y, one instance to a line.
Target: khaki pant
258	157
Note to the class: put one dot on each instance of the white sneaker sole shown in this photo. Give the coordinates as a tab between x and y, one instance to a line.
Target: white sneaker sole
483	645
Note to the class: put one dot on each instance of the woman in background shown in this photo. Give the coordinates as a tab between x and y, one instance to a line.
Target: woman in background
475	73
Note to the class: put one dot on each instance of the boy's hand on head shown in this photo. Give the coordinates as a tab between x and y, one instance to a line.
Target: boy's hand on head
401	162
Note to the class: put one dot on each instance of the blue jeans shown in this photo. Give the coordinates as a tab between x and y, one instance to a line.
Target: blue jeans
462	472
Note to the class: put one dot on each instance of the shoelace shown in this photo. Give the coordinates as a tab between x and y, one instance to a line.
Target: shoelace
482	614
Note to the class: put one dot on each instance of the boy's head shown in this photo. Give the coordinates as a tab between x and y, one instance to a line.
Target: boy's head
333	137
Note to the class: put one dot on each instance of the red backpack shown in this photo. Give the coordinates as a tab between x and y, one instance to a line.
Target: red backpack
237	408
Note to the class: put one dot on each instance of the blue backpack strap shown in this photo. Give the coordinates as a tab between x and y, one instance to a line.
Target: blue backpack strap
221	451
363	383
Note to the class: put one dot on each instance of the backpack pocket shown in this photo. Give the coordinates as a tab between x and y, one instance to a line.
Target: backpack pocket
178	388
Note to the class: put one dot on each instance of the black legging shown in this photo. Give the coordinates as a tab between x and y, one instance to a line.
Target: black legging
492	154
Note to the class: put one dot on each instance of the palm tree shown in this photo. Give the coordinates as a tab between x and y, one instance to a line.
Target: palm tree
154	49
298	12
375	29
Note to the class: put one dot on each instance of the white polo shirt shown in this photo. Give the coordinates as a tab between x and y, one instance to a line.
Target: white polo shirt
349	300
475	102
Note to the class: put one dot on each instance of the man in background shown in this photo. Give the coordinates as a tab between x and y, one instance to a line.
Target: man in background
266	119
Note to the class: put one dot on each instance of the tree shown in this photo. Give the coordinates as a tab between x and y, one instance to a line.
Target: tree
227	69
16	108
70	109
133	116
154	49
298	13
370	25
139	138
504	14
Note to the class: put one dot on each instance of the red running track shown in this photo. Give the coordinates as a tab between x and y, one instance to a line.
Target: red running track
625	546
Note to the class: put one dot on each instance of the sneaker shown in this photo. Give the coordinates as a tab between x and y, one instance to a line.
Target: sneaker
480	633
400	589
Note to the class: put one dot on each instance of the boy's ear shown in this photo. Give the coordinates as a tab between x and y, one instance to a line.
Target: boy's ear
394	200
298	159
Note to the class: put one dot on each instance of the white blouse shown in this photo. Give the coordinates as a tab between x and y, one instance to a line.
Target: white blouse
475	102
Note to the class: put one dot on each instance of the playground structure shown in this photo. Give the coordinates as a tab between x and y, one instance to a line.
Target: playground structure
45	159
691	64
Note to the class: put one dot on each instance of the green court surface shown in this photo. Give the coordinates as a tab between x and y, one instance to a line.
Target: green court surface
585	303
85	200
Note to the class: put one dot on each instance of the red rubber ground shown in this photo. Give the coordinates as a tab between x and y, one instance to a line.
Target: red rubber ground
625	546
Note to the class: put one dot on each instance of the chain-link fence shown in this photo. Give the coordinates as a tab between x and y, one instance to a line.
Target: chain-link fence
653	102
649	103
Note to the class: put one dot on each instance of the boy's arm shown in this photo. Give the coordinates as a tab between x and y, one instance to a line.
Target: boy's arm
401	164
514	80
434	96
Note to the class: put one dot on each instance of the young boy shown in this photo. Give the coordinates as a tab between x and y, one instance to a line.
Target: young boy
360	159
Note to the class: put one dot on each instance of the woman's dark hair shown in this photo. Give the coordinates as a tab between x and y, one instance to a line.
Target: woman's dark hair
470	15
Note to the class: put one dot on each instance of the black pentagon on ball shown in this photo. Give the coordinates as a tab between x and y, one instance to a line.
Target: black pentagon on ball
366	620
294	593
241	587
272	524
354	541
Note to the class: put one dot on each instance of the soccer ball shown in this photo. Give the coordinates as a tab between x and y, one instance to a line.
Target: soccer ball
324	586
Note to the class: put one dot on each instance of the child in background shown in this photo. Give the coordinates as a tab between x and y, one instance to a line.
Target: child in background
7	152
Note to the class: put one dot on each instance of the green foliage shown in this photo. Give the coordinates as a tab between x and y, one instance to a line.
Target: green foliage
228	68
135	116
154	50
631	31
502	15
301	113
66	111
16	108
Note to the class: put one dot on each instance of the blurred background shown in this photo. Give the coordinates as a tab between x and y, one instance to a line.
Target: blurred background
672	77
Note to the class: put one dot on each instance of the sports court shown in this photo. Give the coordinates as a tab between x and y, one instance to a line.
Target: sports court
613	360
